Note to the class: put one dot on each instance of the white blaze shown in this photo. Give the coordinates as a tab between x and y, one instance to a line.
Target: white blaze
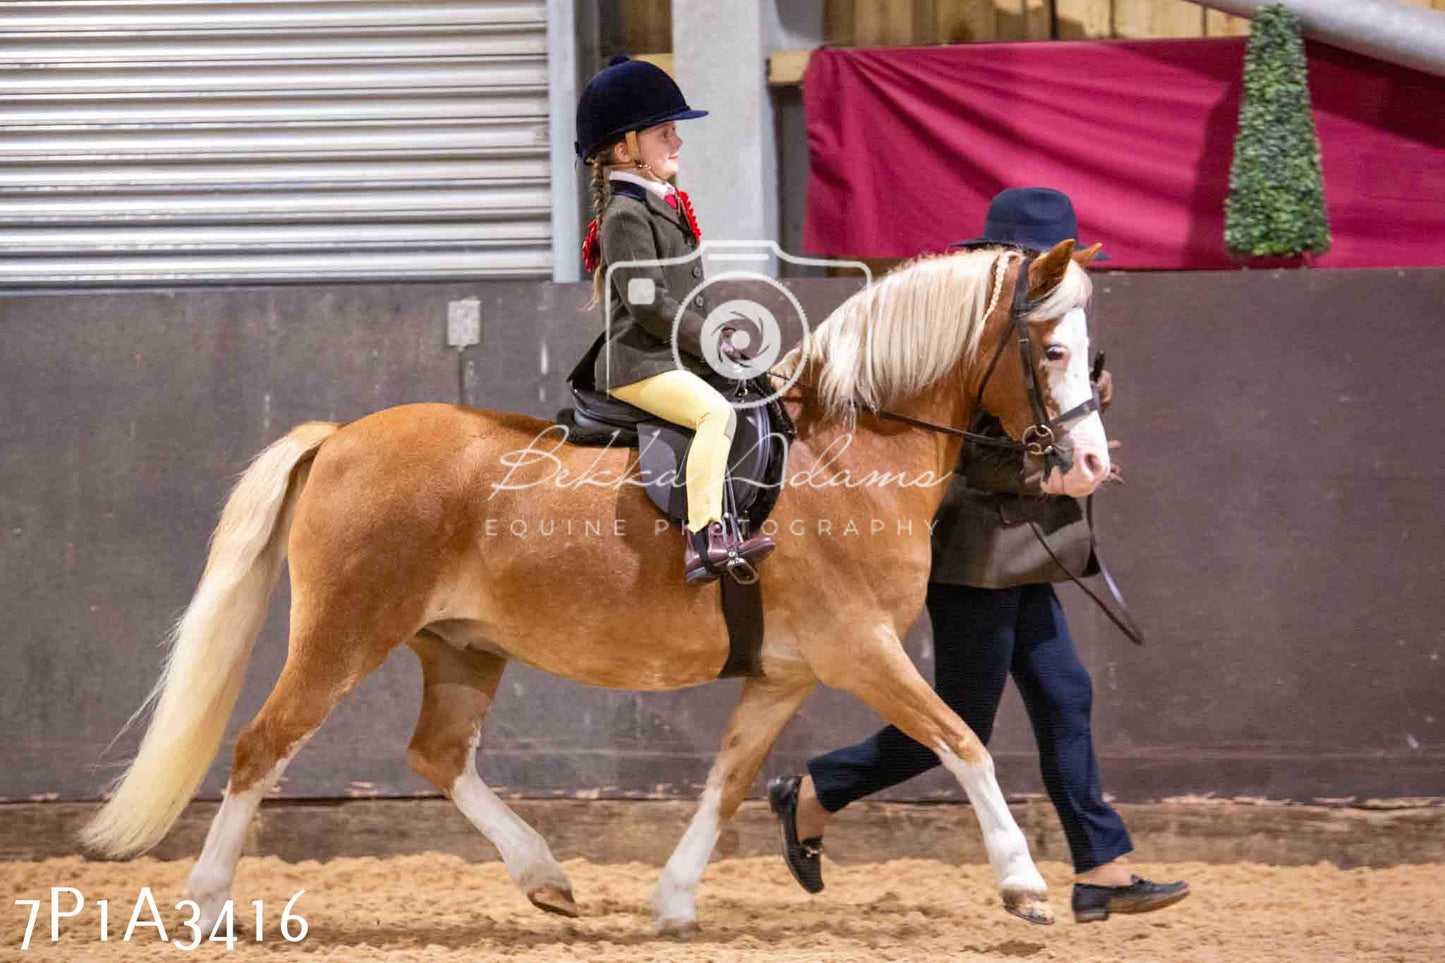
1068	388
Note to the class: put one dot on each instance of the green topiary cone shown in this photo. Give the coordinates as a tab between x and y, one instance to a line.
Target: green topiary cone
1276	203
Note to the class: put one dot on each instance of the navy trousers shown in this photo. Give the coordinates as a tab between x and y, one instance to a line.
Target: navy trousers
980	636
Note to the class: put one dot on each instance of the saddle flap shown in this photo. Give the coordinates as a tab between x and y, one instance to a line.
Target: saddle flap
756	458
748	456
661	461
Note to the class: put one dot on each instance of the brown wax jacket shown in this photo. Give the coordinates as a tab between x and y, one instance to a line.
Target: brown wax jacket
982	537
641	316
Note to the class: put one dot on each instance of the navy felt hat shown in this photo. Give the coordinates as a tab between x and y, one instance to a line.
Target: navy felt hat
626	95
1034	218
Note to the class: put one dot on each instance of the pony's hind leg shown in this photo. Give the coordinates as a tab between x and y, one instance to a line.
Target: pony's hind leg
878	671
764	709
316	676
458	689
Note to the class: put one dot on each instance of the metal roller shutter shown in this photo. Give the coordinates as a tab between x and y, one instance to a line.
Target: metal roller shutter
217	141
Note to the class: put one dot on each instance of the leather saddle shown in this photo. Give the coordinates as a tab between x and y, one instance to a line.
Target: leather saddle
756	460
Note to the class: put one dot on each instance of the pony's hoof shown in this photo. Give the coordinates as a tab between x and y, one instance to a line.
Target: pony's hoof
1030	908
554	899
673	911
678	927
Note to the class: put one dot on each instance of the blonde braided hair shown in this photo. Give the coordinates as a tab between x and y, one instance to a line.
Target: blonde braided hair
602	195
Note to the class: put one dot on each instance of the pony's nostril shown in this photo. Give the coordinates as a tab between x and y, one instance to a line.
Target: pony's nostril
1094	465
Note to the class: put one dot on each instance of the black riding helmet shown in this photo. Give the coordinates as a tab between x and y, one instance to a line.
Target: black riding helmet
626	95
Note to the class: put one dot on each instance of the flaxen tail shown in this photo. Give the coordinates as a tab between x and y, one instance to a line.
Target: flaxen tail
209	647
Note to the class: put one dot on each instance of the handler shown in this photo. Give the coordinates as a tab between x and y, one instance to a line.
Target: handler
626	129
995	613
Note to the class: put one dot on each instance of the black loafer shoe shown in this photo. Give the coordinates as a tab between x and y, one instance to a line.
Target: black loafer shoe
1093	903
804	857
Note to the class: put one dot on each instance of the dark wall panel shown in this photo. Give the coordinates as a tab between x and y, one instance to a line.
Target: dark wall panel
1278	534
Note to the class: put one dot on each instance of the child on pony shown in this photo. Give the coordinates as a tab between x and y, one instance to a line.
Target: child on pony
626	130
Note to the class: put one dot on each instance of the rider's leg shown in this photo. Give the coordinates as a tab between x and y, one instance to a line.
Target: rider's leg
685	399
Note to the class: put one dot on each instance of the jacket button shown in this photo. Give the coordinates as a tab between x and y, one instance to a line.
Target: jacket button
699	301
697	270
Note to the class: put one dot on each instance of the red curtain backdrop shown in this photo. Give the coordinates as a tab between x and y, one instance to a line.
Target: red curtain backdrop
908	145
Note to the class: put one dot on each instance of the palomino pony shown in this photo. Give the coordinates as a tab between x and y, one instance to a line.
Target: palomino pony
396	530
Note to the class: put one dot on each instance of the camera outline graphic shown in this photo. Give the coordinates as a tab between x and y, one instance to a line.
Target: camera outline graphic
757	314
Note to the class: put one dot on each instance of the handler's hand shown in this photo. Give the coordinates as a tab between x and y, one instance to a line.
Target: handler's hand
1105	387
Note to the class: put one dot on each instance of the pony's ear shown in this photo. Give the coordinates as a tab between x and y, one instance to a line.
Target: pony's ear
1082	258
1046	272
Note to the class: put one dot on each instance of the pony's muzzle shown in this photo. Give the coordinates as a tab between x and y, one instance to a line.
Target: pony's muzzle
1089	469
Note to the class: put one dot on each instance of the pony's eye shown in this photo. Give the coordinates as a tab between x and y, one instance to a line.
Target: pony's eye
1055	352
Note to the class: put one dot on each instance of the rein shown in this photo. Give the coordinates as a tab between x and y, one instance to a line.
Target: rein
973	436
1124	620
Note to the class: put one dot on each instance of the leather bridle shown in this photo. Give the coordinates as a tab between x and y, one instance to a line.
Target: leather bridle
1045	437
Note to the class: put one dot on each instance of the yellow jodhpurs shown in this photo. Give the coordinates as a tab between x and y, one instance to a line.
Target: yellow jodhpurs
685	399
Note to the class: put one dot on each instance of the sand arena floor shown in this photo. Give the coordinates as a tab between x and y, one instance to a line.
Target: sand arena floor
439	907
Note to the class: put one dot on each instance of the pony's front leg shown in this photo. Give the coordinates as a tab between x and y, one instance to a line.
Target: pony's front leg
877	670
764	709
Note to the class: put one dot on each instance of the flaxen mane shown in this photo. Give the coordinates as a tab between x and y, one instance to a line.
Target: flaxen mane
897	337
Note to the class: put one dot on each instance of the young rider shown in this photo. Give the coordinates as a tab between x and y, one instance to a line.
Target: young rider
626	130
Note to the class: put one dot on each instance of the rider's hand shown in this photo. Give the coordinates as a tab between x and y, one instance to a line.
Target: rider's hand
1105	387
729	350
